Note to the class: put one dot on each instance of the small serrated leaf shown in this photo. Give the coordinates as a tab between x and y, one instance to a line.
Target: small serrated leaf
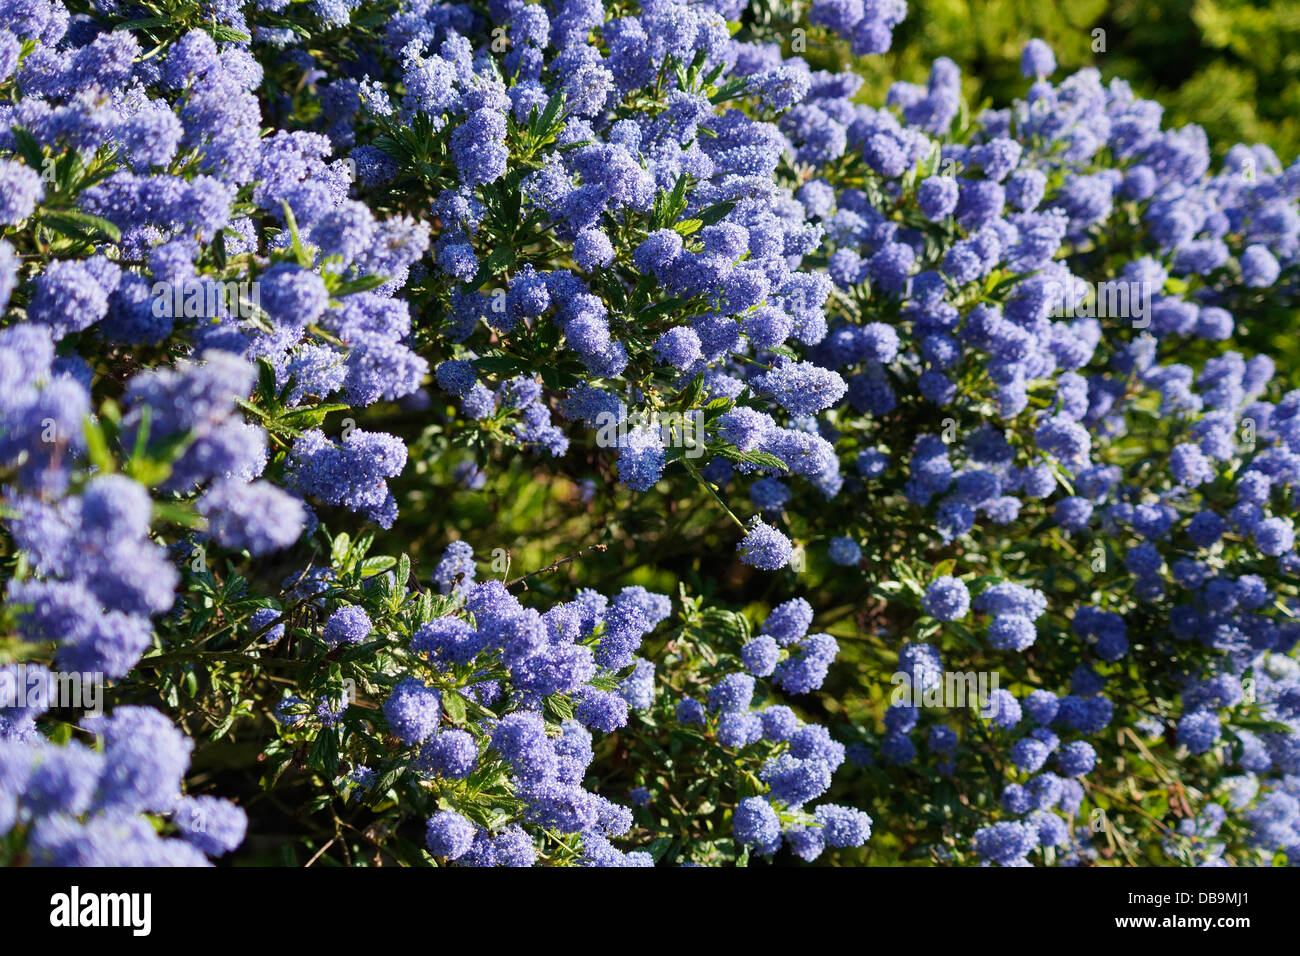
453	705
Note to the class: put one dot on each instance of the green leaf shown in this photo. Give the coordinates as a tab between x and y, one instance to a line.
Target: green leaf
380	563
395	148
498	364
549	115
224	34
766	459
142	22
176	513
265	381
424	612
76	224
28	148
300	253
453	705
309	417
717	406
659	847
732	88
97	447
362	652
340	546
689	396
730	625
352	286
147	472
712	214
386	779
500	259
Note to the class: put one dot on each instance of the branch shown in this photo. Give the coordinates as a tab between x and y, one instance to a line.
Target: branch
551	567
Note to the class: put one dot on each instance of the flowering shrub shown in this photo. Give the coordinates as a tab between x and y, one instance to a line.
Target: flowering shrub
879	466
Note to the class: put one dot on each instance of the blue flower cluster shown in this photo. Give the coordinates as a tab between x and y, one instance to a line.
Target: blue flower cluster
142	208
483	689
95	805
630	128
1024	356
733	713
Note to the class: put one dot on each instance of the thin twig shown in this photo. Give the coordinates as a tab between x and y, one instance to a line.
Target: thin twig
551	567
716	497
319	852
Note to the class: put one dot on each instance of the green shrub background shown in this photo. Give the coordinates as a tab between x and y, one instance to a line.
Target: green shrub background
1230	65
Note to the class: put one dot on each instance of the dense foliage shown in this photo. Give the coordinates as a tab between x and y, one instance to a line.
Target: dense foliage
856	478
1226	65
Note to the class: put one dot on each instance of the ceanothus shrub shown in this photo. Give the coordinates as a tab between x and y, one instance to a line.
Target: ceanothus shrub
794	399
